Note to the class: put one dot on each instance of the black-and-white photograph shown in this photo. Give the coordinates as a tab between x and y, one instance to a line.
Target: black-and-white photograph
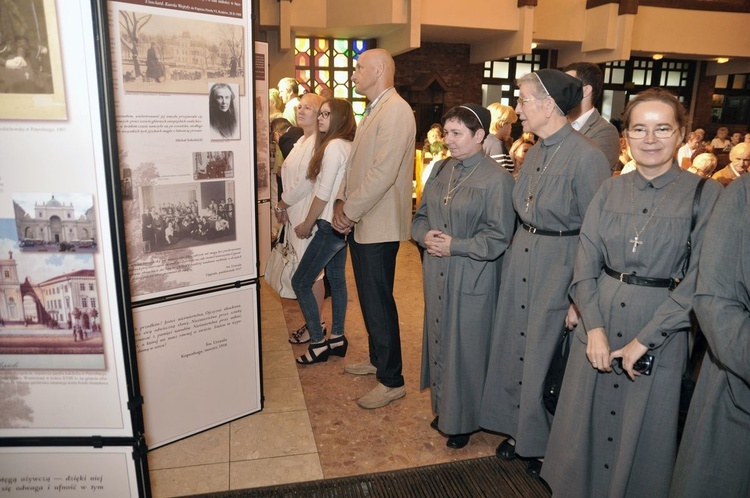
127	184
178	55
212	165
30	63
187	215
223	113
55	222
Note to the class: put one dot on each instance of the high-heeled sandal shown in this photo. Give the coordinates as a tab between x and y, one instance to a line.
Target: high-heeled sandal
311	356
338	345
300	336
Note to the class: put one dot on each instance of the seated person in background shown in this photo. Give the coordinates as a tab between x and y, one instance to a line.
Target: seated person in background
685	153
439	151
496	144
703	164
721	142
434	135
623	158
518	154
740	160
747	138
736	138
275	104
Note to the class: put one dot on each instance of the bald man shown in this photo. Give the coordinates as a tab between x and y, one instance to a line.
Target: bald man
374	207
739	158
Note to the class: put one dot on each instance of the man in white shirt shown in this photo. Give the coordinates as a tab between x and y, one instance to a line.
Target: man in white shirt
585	118
687	150
288	93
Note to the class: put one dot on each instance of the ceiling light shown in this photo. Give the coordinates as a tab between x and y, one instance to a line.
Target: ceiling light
657	57
534	45
722	60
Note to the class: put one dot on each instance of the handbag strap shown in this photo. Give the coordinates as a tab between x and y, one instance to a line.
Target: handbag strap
693	220
693	357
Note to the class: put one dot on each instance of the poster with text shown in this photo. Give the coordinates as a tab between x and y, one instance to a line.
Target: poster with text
198	358
62	365
185	133
68	472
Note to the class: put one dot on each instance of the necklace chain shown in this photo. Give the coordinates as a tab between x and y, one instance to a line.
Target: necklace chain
532	187
448	196
636	241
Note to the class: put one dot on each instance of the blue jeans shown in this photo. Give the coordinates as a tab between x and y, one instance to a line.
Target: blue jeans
326	250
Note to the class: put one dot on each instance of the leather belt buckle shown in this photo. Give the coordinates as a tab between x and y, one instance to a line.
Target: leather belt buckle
623	278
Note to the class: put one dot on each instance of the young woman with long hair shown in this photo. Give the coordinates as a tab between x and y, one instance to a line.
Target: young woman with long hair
336	128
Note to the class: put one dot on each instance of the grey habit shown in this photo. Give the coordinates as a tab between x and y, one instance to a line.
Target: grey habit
714	459
460	291
612	436
533	297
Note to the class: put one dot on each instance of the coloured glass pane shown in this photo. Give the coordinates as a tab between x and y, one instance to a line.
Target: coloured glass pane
301	59
301	44
341	92
341	61
321	44
340	45
341	77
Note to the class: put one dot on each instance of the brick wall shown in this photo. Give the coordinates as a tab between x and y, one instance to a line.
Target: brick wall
449	61
702	117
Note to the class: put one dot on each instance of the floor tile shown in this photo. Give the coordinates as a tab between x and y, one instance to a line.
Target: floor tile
271	471
283	394
278	364
189	480
209	447
268	435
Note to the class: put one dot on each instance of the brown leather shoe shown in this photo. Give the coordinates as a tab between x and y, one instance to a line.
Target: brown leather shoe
381	396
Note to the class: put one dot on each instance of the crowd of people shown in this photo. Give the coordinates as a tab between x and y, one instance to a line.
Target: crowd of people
621	238
170	223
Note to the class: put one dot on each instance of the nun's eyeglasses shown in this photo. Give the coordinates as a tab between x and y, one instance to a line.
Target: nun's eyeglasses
520	102
663	132
324	114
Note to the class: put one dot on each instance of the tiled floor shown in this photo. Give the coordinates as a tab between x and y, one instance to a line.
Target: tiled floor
311	427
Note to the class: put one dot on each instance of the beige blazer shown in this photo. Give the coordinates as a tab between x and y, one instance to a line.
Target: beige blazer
377	185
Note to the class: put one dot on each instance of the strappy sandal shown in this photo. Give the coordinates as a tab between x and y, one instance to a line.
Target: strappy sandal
311	357
300	336
338	345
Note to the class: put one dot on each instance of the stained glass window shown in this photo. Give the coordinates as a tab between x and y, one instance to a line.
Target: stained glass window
329	62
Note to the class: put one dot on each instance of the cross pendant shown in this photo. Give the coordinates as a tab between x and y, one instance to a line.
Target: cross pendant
529	200
636	243
446	199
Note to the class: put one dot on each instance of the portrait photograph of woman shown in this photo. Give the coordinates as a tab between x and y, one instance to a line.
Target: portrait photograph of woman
222	112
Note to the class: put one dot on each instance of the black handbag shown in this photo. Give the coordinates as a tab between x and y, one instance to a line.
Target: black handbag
554	378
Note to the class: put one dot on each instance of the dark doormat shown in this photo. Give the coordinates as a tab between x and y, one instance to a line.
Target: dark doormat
479	477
